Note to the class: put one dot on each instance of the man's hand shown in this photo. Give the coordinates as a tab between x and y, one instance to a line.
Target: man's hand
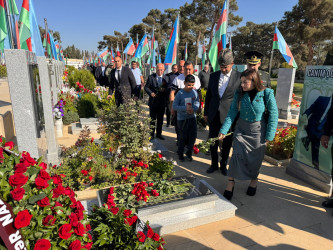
109	97
153	95
324	141
221	136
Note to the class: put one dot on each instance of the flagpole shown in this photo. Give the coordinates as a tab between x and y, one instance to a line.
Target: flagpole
9	19
271	60
46	35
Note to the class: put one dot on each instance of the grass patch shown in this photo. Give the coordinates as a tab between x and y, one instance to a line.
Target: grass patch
298	87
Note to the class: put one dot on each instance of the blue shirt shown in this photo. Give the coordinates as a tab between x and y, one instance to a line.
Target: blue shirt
137	75
180	106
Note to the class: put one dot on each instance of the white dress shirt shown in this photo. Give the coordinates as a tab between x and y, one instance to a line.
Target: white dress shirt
223	83
116	75
178	82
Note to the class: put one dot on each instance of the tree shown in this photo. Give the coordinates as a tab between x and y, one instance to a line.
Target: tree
72	52
55	34
307	26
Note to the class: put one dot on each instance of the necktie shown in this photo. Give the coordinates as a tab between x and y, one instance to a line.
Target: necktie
159	80
118	75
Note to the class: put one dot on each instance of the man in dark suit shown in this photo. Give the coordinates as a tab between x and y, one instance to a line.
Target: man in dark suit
221	88
156	88
316	116
122	82
169	78
100	76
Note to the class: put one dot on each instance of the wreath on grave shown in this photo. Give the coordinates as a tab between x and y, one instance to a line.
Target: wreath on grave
44	211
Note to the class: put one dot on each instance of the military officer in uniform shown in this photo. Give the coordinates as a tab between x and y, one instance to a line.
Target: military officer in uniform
253	59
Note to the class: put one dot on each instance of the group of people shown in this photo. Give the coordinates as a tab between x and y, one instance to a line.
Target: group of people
240	109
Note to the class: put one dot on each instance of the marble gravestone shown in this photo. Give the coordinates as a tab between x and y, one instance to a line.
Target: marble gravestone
53	81
25	94
284	91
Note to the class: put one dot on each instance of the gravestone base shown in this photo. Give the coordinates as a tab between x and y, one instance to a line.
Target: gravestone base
91	123
310	175
285	114
188	213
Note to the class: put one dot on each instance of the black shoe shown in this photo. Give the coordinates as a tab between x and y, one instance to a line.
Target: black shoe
328	203
251	191
160	137
223	168
228	194
189	158
211	170
181	158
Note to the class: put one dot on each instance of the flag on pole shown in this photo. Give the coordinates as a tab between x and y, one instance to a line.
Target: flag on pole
36	41
137	41
117	51
11	22
280	44
3	25
171	54
220	36
48	46
152	51
25	36
185	52
130	48
112	54
203	57
143	47
103	54
53	47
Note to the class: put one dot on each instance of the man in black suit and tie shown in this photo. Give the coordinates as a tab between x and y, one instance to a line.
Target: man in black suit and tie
100	76
156	88
220	93
122	82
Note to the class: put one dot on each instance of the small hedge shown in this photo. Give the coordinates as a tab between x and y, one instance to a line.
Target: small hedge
3	71
84	77
87	106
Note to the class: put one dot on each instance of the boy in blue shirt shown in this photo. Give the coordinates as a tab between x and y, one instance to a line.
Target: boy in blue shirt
186	104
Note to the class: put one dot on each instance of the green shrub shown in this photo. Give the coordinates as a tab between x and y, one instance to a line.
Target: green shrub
203	94
70	117
87	106
84	77
71	70
3	71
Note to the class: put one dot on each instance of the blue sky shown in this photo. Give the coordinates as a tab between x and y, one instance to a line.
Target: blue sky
84	22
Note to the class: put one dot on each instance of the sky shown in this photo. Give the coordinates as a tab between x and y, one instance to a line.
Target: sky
84	22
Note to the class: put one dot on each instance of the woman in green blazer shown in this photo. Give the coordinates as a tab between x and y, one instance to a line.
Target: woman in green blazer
256	108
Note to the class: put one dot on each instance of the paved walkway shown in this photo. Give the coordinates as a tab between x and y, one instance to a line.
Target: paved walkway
286	213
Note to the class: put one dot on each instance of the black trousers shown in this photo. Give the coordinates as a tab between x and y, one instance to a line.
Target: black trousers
156	114
187	135
214	129
168	113
137	91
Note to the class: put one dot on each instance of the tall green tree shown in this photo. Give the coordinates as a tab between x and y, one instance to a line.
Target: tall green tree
306	27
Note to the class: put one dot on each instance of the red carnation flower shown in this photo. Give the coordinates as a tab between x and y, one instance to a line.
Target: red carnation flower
41	183
42	244
49	220
141	237
9	144
75	245
17	193
22	219
44	202
127	212
18	180
114	210
64	231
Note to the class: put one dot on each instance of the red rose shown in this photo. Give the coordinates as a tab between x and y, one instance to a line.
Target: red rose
44	202
84	172
125	177
128	221
127	212
17	193
111	190
79	214
69	192
88	245
22	219
49	220
134	218
75	245
26	158
64	231
90	178
43	165
195	149
73	219
0	139
42	244
115	210
92	140
150	233
160	156
156	237
79	229
58	191
88	227
141	237
41	183
57	180
45	175
1	155
9	144
18	180
21	168
57	204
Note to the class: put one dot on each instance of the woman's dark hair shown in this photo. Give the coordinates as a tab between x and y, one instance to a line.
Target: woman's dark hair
252	75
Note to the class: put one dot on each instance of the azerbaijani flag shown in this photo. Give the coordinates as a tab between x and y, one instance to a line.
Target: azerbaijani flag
3	25
13	12
203	57
117	51
48	45
25	36
171	54
143	47
112	54
130	48
103	54
152	51
53	47
220	35
280	44
185	52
